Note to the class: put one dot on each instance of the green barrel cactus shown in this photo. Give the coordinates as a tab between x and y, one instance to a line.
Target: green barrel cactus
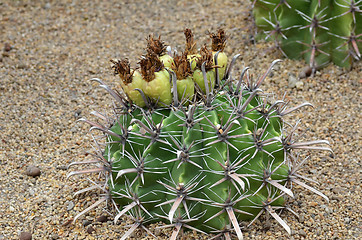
317	31
199	156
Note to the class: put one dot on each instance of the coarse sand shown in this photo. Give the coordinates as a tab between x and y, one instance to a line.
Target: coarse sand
50	50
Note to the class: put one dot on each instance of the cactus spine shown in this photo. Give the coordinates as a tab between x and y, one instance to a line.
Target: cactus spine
317	31
216	154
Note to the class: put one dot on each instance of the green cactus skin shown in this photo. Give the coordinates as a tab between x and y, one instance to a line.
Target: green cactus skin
204	164
317	31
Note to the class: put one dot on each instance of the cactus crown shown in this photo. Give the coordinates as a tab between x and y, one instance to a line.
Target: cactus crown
198	159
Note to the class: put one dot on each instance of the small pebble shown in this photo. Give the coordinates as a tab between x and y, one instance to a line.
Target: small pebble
62	167
157	232
337	190
302	233
70	205
301	218
305	72
31	192
47	6
55	236
32	171
22	66
7	47
86	223
25	236
292	81
328	210
90	229
299	85
338	198
67	222
102	218
77	114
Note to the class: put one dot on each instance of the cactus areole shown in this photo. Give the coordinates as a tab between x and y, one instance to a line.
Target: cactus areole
202	158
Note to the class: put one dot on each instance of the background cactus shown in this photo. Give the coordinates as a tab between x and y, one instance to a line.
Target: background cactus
204	162
317	31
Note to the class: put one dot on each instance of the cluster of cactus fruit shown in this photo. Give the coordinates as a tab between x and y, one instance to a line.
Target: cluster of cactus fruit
318	31
194	148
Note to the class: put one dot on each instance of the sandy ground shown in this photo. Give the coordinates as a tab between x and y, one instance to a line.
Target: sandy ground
50	49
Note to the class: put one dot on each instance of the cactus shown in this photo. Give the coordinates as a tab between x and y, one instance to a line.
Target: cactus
205	157
317	31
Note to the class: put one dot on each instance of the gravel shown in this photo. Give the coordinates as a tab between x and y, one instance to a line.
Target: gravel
50	49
